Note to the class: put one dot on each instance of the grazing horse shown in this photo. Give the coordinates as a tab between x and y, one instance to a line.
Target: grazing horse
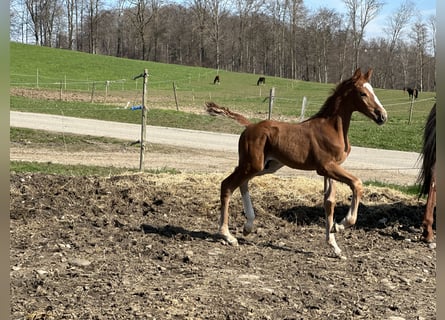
261	80
319	143
216	80
427	175
412	93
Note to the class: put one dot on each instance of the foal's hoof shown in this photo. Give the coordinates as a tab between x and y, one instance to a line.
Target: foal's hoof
427	237
337	228
338	254
247	229
229	239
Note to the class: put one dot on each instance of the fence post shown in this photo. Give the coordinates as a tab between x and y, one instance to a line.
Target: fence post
143	119
303	108
107	84
271	97
92	91
176	98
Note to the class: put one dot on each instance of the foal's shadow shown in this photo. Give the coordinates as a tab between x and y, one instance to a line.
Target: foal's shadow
384	218
388	219
180	233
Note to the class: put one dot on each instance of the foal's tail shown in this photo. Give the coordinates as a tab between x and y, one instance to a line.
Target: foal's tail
428	153
215	110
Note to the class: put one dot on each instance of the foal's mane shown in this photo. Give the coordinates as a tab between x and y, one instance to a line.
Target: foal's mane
332	103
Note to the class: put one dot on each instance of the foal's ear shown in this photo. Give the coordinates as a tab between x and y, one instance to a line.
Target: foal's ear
368	74
357	74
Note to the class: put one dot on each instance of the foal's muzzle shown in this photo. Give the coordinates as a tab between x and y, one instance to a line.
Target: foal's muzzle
380	116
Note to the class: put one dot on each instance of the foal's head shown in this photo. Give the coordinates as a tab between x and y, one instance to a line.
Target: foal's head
364	99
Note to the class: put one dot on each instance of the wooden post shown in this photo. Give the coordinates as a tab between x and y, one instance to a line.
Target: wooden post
303	108
143	118
92	91
271	96
144	122
107	84
61	91
176	98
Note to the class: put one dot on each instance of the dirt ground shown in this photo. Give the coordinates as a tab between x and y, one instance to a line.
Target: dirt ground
144	246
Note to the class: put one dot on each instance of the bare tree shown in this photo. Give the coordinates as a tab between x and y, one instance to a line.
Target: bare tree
325	24
121	6
70	15
274	63
419	35
80	8
360	13
155	29
296	13
141	18
201	11
217	10
432	20
396	23
245	10
42	14
274	37
93	21
18	17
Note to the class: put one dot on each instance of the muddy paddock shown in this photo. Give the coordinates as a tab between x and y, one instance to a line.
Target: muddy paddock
143	246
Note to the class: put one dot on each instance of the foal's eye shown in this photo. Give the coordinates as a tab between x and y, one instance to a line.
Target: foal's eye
363	94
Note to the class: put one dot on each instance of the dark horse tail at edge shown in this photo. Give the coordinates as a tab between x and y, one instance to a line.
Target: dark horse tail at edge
427	175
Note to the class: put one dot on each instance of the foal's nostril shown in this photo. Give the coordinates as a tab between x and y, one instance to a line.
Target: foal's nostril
383	117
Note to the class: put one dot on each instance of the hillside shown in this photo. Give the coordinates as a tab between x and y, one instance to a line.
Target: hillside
85	85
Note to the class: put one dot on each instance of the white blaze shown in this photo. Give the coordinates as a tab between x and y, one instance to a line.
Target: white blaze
368	86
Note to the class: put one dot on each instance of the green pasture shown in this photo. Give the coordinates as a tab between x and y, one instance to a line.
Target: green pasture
68	71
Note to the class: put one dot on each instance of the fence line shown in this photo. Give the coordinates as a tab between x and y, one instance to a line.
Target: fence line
107	92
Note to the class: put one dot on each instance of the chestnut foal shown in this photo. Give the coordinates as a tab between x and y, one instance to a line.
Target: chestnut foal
319	143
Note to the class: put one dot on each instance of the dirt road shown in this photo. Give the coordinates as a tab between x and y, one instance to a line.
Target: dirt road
195	150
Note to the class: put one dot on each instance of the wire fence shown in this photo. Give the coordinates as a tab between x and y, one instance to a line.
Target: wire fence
187	94
126	94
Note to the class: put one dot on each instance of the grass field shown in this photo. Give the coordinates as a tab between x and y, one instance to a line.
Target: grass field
42	68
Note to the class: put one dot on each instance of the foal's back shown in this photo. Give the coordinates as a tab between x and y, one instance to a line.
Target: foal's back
306	145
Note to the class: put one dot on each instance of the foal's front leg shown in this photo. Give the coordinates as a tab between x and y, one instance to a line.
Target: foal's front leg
336	172
329	206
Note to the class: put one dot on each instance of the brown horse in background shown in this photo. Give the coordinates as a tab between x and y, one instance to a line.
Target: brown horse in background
261	80
412	93
319	143
427	175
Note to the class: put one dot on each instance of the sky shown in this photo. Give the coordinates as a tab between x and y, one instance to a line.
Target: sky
375	28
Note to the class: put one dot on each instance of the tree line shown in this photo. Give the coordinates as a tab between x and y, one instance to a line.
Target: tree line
280	38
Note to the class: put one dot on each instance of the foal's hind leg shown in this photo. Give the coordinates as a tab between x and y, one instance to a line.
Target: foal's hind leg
329	205
248	209
235	180
227	187
428	216
270	166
